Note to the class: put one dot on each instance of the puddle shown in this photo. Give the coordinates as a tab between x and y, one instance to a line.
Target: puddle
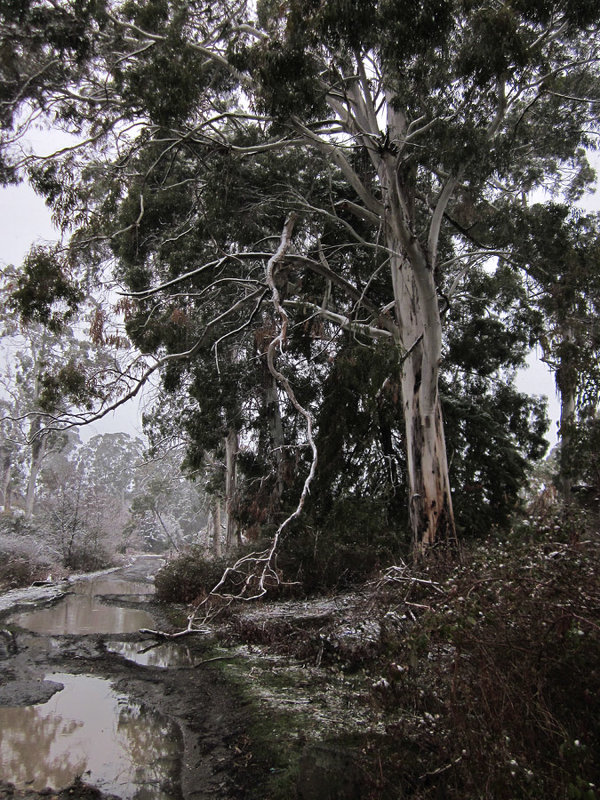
108	585
163	655
89	729
82	613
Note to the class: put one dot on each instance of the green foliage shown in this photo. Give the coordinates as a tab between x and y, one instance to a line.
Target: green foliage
288	78
494	44
581	461
493	432
191	205
43	293
43	46
189	577
409	28
68	382
493	435
343	547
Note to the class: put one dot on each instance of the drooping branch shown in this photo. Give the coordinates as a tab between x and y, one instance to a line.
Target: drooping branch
257	570
261	565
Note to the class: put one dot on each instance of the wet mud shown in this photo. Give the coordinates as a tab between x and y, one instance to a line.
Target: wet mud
90	713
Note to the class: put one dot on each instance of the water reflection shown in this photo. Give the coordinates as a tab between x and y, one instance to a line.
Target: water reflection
163	655
90	729
82	613
108	585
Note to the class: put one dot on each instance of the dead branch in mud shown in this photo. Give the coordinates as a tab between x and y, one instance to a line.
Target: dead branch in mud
176	635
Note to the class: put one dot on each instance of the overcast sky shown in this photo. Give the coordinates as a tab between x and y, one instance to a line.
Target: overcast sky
25	220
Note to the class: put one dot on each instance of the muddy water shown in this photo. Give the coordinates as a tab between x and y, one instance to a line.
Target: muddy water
163	655
83	612
88	729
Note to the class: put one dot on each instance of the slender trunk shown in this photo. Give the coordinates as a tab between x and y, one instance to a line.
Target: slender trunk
566	383
567	420
36	434
216	520
274	441
6	466
429	496
276	437
231	449
38	450
166	530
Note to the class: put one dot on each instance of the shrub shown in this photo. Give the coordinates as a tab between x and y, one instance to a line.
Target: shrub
87	558
22	561
501	676
190	576
343	549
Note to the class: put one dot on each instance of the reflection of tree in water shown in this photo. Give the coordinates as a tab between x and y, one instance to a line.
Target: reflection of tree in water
153	746
128	750
27	738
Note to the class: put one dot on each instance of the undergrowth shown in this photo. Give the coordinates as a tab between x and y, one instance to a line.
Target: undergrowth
479	680
482	679
497	685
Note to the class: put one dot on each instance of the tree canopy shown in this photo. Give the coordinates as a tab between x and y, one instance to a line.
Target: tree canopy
306	205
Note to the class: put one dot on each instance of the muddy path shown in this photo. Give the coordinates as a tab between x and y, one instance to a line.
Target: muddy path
73	657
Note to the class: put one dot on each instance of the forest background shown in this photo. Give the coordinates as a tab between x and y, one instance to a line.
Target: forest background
370	373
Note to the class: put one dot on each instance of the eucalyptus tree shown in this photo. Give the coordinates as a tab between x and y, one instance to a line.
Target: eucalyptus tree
50	371
559	248
420	116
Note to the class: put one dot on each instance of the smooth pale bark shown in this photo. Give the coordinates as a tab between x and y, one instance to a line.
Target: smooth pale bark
216	524
420	338
276	437
418	322
233	535
38	451
429	496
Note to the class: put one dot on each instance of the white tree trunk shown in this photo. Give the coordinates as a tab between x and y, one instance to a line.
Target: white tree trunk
566	383
276	436
5	488
429	497
38	451
216	524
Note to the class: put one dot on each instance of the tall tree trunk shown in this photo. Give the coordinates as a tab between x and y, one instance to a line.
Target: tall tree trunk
231	449
6	468
36	435
567	420
413	262
38	451
216	521
566	383
430	500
